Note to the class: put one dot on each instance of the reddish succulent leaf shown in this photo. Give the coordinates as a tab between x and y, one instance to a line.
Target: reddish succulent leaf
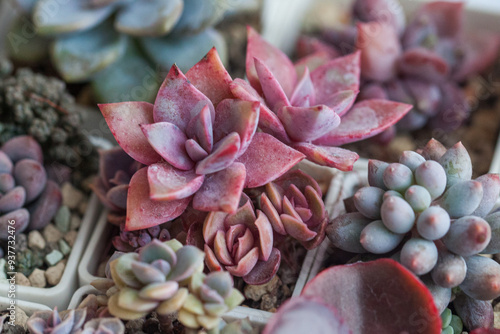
306	315
298	179
320	236
336	75
364	120
446	17
169	142
266	159
224	154
194	150
272	214
307	45
296	228
480	52
220	249
211	78
304	95
167	183
277	62
211	260
246	264
178	100
304	124
330	156
200	127
142	212
194	235
312	62
276	98
264	271
245	243
221	191
109	163
268	120
265	236
423	63
124	120
237	116
377	297
342	101
213	222
380	50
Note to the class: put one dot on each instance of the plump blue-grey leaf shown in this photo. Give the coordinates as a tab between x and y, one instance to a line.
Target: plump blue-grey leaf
78	57
200	14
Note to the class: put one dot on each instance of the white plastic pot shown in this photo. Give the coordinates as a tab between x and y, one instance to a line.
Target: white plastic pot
60	294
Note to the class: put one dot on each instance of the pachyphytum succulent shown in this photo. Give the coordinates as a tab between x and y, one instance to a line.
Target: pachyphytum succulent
429	202
309	105
421	62
199	144
28	198
210	297
49	322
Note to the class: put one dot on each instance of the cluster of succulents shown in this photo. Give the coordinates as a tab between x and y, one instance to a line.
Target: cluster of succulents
29	197
112	43
420	62
428	204
39	106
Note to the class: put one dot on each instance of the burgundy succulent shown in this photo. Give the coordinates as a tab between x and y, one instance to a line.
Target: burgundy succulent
241	243
294	206
199	144
309	105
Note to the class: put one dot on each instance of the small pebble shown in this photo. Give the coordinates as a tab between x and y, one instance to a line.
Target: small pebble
53	257
70	237
71	196
255	292
63	247
36	240
75	222
37	278
51	233
268	302
82	208
22	280
54	274
21	318
62	219
21	242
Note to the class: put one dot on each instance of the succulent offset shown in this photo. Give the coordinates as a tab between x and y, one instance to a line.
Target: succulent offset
29	197
199	144
429	201
309	105
421	62
50	322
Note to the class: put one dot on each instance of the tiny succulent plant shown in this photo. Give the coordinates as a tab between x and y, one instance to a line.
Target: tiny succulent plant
451	323
428	203
130	241
28	198
421	62
315	113
198	143
50	322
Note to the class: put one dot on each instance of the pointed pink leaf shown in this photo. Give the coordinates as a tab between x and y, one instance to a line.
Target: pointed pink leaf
178	100
224	154
168	183
364	120
312	62
246	264
201	128
170	142
124	120
234	232
211	78
379	296
336	75
211	260
342	101
266	159
268	120
304	95
288	208
142	212
221	251
308	123
213	222
481	51
307	45
237	116
304	213
380	50
296	228
245	244
424	64
277	62
274	94
264	271
195	151
265	236
221	191
244	215
330	156
296	196
272	214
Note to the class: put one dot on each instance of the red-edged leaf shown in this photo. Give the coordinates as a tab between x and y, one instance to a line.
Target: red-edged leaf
213	222
277	62
312	62
480	52
237	116
211	261
221	191
268	120
246	264
377	297
265	236
178	100
330	156
195	151
336	75
380	50
264	271
424	64
211	78
276	98
266	159
272	214
168	183
110	162
364	120
142	212
224	154
170	142
306	315
124	120
201	128
303	95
